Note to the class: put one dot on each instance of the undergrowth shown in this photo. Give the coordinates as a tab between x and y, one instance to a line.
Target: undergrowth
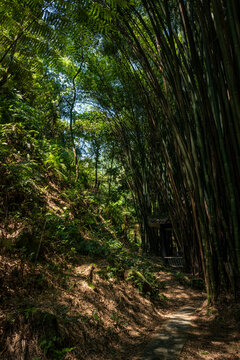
47	223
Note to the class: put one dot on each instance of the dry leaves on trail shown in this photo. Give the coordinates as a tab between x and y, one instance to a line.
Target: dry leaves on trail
99	318
215	334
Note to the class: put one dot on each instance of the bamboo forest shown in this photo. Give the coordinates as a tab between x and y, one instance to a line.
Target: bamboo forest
119	179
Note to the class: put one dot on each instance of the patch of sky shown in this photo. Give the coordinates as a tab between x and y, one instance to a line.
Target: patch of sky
134	65
116	83
81	107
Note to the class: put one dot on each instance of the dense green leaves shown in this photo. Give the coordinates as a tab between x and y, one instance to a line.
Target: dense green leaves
135	98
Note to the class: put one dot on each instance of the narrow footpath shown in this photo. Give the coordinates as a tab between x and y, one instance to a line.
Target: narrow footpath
168	344
179	311
192	330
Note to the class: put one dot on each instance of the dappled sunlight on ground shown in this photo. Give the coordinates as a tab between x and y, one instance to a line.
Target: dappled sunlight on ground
101	318
215	335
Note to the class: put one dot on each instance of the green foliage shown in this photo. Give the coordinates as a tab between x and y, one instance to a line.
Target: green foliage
118	322
60	354
135	269
195	283
146	284
26	165
92	247
37	160
29	311
181	278
50	348
46	324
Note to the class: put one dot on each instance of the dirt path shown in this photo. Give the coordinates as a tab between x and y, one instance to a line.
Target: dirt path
102	318
177	297
214	333
168	344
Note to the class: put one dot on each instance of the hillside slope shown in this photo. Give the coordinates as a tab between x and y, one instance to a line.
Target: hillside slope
83	310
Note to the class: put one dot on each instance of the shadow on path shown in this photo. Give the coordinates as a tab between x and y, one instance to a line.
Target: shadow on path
168	344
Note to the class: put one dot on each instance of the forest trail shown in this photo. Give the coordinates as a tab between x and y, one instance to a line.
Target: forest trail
211	333
192	330
85	312
167	340
94	310
168	344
